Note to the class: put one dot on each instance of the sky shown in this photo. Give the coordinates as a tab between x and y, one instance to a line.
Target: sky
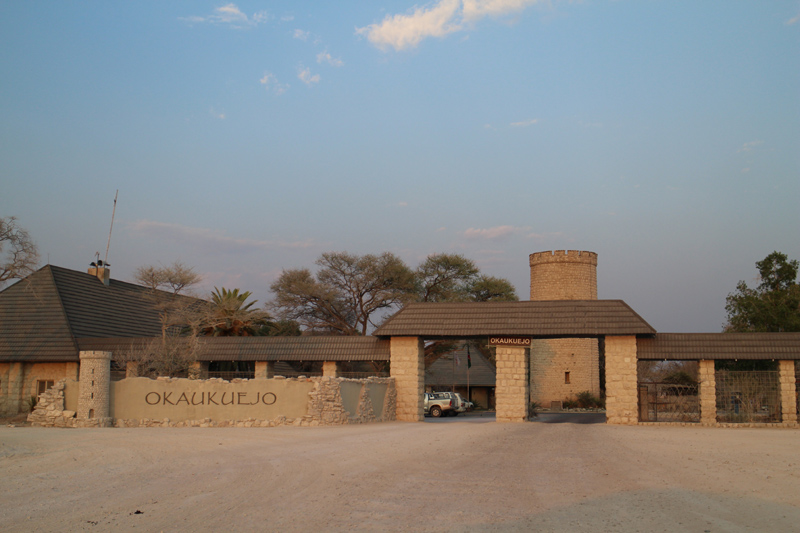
246	138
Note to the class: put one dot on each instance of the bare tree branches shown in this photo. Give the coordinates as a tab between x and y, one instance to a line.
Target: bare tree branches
18	253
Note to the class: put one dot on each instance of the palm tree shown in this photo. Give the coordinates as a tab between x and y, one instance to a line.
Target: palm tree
230	315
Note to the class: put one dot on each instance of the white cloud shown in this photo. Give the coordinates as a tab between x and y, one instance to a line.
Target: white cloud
524	123
208	238
300	34
407	31
793	20
220	116
402	204
747	147
477	9
327	58
287	18
497	232
230	15
304	75
271	82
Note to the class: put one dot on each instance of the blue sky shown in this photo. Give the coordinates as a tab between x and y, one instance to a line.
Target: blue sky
249	137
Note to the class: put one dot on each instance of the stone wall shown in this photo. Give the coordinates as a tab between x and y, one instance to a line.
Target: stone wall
408	370
621	380
552	359
511	390
238	403
95	378
563	275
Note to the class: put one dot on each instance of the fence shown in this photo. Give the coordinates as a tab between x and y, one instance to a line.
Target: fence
668	402
748	397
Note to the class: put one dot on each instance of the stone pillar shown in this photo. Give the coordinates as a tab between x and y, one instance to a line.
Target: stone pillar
707	393
330	369
408	370
512	390
95	385
265	369
621	380
788	393
198	370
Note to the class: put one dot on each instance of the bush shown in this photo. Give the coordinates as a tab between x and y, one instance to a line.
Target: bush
569	403
583	400
533	409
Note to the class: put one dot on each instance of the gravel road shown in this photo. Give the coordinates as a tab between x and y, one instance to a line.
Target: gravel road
464	475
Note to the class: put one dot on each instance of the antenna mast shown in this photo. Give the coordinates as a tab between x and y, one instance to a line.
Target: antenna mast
113	212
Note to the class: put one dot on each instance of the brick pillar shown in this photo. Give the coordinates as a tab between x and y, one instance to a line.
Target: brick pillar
408	371
198	370
512	390
265	369
330	369
621	399
788	393
707	392
95	384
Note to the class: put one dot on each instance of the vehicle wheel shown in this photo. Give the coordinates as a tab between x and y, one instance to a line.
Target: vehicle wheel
436	411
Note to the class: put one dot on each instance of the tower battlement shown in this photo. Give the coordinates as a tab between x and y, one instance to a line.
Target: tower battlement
563	256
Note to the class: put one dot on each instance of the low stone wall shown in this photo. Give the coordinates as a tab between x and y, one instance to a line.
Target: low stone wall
166	402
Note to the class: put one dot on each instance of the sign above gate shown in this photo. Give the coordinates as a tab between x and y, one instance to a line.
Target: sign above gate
509	341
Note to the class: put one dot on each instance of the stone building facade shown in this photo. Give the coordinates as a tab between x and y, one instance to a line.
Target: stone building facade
561	368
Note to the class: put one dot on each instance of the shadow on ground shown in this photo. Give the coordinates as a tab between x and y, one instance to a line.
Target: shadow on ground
571	418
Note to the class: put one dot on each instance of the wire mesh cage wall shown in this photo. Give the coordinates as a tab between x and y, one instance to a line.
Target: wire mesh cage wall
668	402
668	391
748	396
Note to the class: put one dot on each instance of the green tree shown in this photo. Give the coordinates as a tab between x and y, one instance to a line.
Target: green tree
18	253
347	294
772	306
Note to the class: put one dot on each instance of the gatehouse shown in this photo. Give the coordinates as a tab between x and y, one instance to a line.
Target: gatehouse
59	330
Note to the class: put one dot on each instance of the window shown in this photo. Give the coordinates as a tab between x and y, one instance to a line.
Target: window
566	378
43	385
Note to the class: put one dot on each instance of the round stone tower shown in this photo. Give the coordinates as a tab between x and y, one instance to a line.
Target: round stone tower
95	384
563	275
561	368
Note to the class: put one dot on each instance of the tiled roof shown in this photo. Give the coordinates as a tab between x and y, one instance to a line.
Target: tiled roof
562	318
695	346
310	348
42	315
451	369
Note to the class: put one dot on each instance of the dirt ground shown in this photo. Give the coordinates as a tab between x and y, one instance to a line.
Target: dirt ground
462	475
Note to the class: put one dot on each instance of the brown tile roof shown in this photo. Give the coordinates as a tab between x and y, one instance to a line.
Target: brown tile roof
310	348
563	318
42	316
695	346
443	371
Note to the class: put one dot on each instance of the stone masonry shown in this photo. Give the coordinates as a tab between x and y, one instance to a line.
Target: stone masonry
511	390
561	368
788	392
94	396
408	370
708	392
621	384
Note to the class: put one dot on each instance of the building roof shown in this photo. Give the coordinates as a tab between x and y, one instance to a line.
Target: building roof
451	369
697	346
307	348
562	318
43	315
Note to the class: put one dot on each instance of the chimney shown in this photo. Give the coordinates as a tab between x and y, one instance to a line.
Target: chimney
100	271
